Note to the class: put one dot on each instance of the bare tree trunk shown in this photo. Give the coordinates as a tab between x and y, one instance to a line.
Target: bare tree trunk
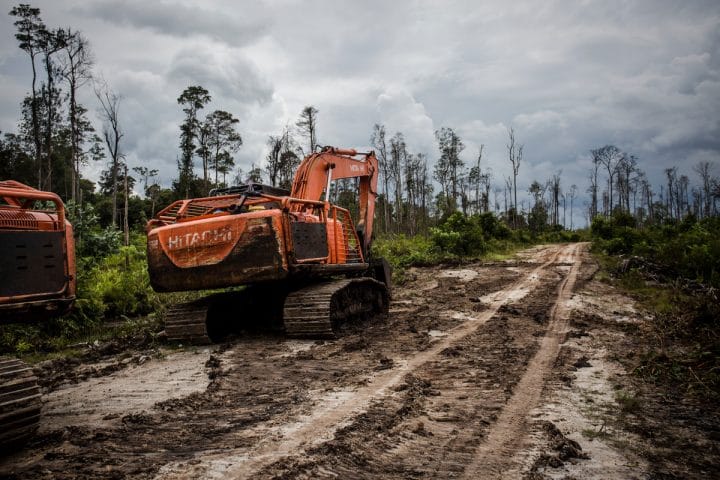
515	153
110	103
126	224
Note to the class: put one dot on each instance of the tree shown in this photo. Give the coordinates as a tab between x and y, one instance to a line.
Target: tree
307	126
29	31
448	169
398	154
281	160
255	174
273	158
222	141
76	69
515	153
112	133
145	174
16	161
671	197
476	180
703	171
50	43
609	156
573	194
377	140
626	167
554	184
126	225
193	99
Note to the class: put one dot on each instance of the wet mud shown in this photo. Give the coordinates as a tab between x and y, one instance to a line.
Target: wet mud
478	369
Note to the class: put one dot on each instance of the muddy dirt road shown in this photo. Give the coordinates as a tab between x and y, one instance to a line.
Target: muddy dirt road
481	371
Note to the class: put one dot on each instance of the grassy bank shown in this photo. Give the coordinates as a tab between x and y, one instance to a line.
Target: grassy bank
463	238
672	271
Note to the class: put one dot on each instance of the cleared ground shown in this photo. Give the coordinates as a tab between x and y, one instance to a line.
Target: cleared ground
500	370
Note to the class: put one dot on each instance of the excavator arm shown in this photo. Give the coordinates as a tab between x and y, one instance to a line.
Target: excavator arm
314	175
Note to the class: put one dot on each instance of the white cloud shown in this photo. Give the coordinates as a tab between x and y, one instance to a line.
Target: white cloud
399	111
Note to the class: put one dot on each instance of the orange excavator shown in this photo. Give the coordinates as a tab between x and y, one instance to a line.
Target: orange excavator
288	248
37	265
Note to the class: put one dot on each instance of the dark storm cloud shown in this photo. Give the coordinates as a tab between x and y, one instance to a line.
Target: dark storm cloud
226	75
234	25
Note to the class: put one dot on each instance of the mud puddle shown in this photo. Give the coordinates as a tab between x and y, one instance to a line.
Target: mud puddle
99	401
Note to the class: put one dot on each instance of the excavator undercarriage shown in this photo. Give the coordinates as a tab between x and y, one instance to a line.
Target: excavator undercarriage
19	403
319	310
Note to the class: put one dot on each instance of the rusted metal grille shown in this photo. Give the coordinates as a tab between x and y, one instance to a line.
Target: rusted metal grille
17	219
170	214
352	244
194	208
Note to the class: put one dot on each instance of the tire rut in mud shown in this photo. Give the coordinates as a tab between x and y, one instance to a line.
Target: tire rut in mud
433	422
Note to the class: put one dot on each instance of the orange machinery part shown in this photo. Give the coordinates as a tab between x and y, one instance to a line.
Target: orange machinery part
18	214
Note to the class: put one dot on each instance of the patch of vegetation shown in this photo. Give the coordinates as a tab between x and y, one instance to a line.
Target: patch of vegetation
673	270
628	402
601	433
463	238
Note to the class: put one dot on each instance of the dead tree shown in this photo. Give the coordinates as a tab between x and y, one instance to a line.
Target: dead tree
515	153
377	140
110	107
307	126
609	156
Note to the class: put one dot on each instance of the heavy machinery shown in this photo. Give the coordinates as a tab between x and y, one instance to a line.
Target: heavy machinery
37	269
287	247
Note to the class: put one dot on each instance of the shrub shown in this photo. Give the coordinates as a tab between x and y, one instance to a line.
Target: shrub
402	251
460	235
601	228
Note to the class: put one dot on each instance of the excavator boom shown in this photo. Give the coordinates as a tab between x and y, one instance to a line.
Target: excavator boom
314	175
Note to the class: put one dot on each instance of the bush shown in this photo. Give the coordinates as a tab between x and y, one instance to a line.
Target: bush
402	252
601	228
461	235
688	249
118	285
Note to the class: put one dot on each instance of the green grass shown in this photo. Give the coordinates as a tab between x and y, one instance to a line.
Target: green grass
403	252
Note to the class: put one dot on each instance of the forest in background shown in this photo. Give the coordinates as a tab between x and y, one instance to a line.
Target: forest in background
432	206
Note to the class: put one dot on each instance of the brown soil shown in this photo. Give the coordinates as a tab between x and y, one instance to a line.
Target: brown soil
498	370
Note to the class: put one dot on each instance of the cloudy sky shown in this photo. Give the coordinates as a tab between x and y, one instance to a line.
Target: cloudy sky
567	75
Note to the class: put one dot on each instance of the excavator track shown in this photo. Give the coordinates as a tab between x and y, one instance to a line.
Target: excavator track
20	403
315	311
211	319
187	322
319	310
